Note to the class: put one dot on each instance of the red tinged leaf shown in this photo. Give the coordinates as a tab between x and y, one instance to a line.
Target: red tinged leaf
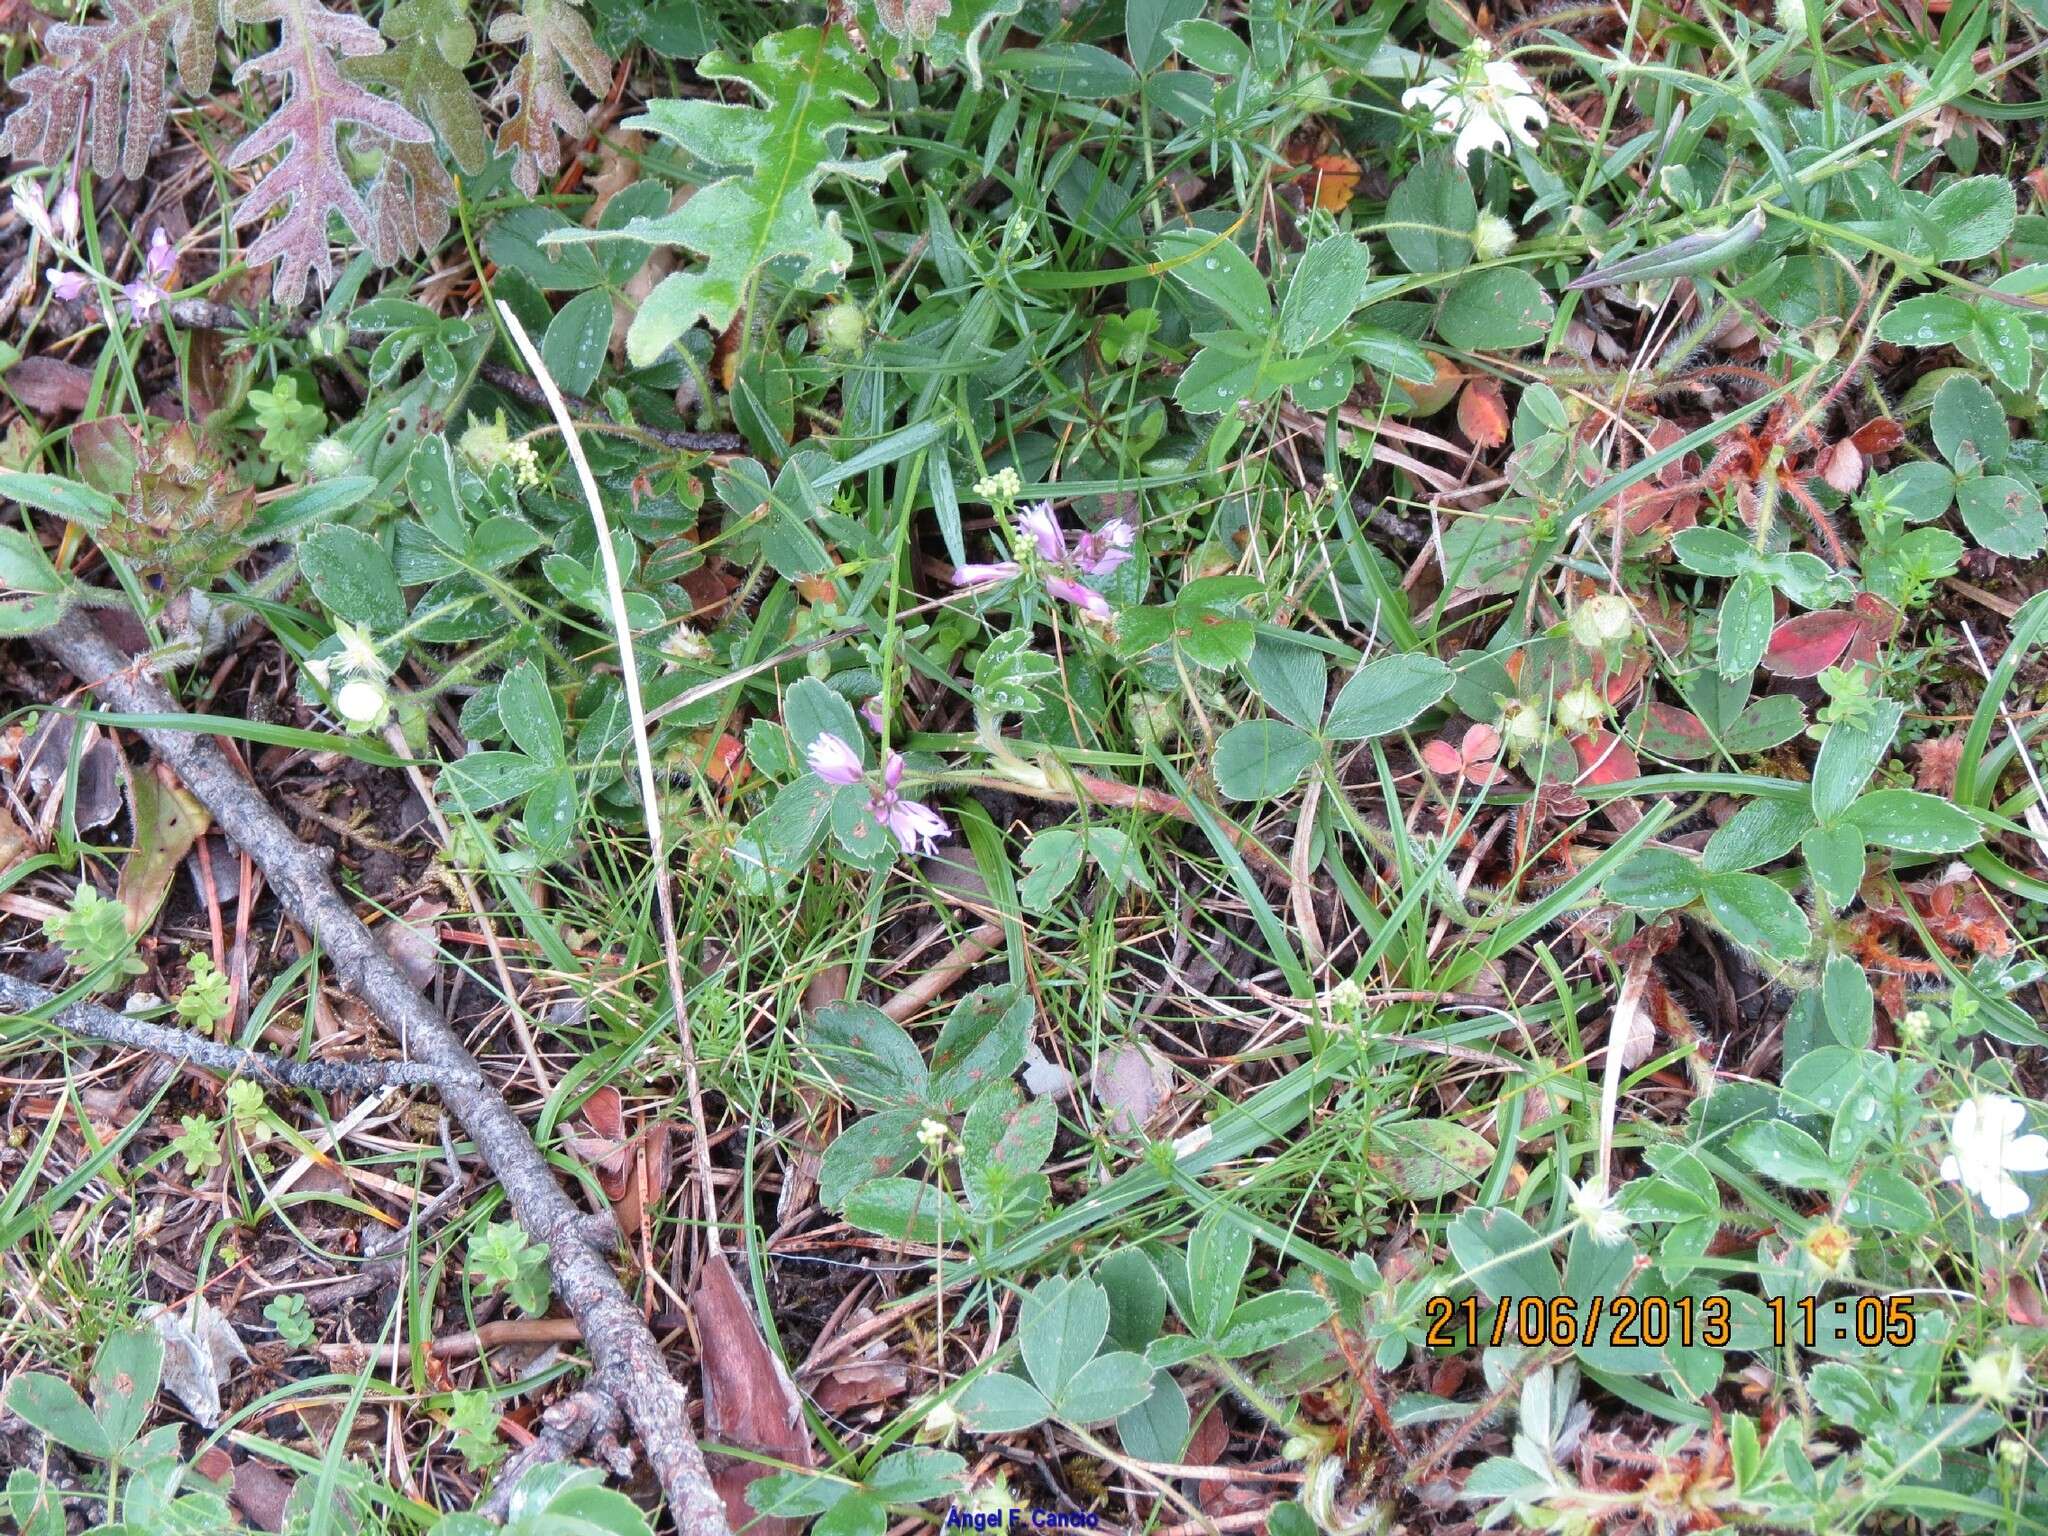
1673	732
1442	758
1604	758
1621	682
1810	644
108	77
1880	622
1483	414
310	181
1842	467
1879	436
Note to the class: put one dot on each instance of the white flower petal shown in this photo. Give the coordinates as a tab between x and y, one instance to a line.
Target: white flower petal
2027	1154
2005	1200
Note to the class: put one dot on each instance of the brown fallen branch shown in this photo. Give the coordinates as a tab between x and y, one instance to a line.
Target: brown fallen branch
961	959
205	315
1116	796
91	1021
582	1419
628	1363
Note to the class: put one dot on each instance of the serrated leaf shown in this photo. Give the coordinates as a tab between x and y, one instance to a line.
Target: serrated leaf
1009	674
1781	1151
1001	1403
1219	1252
1268	1321
1213	266
103	84
1834	861
557	42
807	83
1912	822
877	1147
320	103
906	1210
1103	1388
1323	291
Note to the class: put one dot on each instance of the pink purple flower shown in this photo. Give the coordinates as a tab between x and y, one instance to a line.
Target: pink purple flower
1096	553
916	828
981	575
872	713
1091	603
1106	548
68	287
1044	530
833	760
150	291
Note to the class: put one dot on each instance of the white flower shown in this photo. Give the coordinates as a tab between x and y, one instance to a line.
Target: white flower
1595	1209
29	207
1489	104
358	656
1986	1150
362	704
1996	1376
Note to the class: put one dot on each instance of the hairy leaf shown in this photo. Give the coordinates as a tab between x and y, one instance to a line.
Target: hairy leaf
108	77
319	102
555	37
432	41
807	82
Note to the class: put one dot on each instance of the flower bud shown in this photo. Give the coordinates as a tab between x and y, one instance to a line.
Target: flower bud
1492	237
840	327
1581	710
1602	620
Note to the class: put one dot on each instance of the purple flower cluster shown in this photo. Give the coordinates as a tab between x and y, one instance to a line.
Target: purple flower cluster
144	296
1093	554
916	828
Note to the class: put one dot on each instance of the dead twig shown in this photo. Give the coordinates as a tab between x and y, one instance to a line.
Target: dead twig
629	1364
643	756
961	959
93	1022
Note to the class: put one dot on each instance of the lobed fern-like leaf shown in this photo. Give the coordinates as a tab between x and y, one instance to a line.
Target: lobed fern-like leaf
411	201
108	77
310	181
432	41
808	82
555	37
